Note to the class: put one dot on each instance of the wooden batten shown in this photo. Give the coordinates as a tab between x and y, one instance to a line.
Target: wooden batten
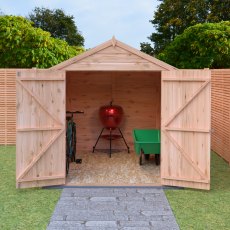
7	106
221	113
137	92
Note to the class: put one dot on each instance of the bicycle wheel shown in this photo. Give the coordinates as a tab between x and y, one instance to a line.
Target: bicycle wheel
68	145
67	165
74	141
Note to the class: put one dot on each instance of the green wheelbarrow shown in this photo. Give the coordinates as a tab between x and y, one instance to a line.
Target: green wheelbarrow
146	142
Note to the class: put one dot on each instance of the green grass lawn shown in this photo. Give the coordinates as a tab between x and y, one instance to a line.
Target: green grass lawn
195	209
22	208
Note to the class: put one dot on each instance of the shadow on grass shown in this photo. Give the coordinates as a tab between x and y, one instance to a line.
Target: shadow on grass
220	173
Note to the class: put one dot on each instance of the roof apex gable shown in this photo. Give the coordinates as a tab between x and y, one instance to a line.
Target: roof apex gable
112	43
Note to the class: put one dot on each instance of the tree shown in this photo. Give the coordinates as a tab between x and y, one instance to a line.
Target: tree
147	48
173	17
58	24
23	46
218	10
201	46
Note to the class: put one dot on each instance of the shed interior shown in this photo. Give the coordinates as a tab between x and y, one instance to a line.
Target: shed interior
139	94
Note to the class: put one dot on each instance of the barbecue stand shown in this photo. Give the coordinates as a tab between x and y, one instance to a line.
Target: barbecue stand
111	137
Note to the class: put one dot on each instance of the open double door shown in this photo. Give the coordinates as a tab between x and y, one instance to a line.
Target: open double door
185	128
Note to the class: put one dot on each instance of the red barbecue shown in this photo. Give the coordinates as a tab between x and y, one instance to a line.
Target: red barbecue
111	117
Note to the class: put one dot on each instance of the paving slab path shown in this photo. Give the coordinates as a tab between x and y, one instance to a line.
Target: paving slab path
113	208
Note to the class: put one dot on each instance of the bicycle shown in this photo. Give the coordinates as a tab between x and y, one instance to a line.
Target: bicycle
71	139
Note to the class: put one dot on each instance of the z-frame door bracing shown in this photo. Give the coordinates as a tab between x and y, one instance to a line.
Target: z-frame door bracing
40	143
185	128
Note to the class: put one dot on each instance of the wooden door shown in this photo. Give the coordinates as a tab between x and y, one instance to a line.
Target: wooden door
40	129
185	128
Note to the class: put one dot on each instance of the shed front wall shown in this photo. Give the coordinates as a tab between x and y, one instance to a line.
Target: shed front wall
138	93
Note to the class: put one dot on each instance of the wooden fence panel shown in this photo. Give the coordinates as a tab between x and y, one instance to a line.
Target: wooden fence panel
7	106
221	112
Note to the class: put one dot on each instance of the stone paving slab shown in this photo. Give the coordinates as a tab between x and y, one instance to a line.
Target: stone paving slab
112	208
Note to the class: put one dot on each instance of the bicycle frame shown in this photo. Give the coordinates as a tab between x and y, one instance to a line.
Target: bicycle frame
71	138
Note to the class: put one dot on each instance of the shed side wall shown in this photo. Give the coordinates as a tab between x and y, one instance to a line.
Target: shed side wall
7	106
221	112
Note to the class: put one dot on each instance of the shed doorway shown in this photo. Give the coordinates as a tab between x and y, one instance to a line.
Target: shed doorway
139	94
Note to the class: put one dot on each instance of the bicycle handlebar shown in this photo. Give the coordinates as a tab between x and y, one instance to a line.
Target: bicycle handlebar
75	112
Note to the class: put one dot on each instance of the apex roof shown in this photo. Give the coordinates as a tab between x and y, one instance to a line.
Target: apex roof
113	55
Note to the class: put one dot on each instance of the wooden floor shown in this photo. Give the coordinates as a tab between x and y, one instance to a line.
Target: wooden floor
122	169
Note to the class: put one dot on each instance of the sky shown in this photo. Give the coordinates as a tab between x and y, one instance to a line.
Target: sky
98	20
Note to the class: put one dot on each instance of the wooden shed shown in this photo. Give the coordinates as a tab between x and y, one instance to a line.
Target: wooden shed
152	93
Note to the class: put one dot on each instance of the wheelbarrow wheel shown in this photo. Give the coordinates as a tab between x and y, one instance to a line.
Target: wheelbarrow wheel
157	159
147	156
